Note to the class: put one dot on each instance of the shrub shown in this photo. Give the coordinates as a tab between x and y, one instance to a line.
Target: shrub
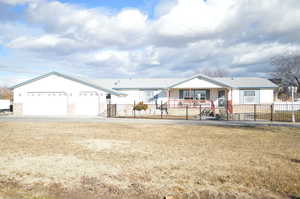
140	106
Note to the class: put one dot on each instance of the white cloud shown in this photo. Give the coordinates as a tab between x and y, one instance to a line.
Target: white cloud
90	25
15	2
251	54
45	41
192	17
183	37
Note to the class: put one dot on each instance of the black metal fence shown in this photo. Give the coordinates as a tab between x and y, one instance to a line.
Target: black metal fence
245	112
111	110
267	112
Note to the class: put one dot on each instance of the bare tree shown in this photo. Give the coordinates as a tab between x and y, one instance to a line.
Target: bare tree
286	73
215	72
287	69
5	93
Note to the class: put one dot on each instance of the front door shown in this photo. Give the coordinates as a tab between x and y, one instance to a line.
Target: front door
221	98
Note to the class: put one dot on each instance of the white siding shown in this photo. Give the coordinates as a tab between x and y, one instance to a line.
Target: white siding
266	96
197	83
235	96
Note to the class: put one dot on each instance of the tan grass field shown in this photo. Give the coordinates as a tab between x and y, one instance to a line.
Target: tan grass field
93	160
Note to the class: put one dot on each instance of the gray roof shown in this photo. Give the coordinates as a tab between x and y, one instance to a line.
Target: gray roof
136	83
156	83
112	85
246	82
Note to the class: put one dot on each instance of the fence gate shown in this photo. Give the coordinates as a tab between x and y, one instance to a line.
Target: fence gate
111	110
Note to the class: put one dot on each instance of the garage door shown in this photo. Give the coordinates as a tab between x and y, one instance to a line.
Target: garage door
87	104
47	103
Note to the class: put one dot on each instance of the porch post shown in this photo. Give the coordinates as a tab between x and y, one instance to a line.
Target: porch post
168	97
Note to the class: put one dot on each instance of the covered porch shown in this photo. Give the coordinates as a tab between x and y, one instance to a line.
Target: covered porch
196	97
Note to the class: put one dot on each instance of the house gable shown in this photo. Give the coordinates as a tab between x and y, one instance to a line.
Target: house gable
53	83
199	81
54	76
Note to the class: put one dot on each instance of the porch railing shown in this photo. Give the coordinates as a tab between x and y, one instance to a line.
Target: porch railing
181	103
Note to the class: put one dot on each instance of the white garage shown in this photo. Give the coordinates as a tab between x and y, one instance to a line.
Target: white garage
55	94
45	103
87	104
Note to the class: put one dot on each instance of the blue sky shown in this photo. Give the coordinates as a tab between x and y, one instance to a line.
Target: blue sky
146	5
144	38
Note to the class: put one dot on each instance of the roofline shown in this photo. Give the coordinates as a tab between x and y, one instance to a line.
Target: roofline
203	77
70	78
154	88
261	87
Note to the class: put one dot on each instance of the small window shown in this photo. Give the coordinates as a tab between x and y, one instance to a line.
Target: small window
249	96
249	93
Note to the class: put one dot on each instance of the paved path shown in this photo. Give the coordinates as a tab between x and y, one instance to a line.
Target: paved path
148	121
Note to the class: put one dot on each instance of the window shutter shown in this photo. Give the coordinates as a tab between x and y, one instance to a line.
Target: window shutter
241	97
208	94
180	94
257	96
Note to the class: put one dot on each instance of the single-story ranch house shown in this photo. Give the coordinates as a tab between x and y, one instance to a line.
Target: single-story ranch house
59	94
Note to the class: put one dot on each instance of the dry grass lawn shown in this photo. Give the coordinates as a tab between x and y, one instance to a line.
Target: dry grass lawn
93	160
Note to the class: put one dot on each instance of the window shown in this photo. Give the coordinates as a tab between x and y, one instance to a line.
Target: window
198	94
249	96
201	94
187	94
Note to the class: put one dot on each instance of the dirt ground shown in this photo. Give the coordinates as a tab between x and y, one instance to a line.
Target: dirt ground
94	160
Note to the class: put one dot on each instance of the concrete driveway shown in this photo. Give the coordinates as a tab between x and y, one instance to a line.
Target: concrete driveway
150	121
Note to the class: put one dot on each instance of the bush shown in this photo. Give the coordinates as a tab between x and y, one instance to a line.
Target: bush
140	106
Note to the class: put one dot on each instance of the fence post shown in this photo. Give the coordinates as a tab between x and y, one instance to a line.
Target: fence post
254	112
271	112
186	112
108	109
200	112
134	109
161	110
227	115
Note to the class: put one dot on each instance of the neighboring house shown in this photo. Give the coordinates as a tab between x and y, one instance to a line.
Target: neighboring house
58	94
